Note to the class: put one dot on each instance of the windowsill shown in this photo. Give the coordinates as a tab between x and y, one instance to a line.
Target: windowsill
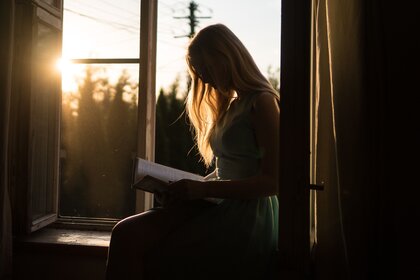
68	241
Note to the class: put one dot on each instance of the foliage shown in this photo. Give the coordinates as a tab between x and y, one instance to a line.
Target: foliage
99	127
274	77
174	141
98	143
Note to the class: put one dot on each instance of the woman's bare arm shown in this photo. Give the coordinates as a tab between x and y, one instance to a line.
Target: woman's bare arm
266	117
210	176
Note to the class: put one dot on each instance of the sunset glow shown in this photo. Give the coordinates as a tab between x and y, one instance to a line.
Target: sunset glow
98	29
63	64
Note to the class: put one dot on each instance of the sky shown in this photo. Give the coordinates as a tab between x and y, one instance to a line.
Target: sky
104	28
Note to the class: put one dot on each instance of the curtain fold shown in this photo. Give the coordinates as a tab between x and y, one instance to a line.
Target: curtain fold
6	57
329	247
341	139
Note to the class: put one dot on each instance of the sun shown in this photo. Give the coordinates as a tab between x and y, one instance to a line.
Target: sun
63	64
68	72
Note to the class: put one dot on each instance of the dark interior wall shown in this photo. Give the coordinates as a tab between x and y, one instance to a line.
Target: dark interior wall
6	31
400	196
58	262
6	51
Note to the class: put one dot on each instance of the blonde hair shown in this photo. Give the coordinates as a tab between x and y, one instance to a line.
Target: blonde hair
220	68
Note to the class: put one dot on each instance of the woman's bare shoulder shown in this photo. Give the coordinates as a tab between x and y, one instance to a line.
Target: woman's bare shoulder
265	100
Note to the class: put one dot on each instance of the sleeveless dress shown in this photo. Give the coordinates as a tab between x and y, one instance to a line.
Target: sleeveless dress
236	238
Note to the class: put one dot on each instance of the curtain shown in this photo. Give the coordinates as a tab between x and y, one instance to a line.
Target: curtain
342	138
6	55
350	136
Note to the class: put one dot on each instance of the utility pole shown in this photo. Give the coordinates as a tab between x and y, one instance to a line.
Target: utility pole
193	8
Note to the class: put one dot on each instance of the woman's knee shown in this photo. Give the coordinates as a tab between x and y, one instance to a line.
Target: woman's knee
135	228
126	226
120	230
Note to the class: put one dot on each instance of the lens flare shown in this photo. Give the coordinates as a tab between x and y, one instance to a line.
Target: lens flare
63	64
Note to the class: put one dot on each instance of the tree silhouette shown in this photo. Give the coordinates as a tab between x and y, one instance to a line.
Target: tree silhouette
274	77
99	142
174	142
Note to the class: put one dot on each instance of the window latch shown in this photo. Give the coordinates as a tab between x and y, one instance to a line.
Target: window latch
317	187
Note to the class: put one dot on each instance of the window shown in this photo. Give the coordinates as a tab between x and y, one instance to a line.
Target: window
99	108
177	21
99	111
35	114
53	3
44	124
103	111
36	107
108	114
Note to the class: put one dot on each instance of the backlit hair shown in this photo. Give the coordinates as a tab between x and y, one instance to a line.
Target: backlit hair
220	68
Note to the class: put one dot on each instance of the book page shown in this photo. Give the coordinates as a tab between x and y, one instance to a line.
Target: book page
162	172
151	184
153	177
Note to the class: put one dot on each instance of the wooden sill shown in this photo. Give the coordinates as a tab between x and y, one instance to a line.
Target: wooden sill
66	241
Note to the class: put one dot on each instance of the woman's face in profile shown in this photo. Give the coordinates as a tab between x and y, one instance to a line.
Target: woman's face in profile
201	69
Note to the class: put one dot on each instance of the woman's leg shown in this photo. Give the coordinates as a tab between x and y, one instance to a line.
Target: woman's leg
135	236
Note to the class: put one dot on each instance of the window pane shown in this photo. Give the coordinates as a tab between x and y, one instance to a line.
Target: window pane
54	3
101	29
44	120
261	36
98	140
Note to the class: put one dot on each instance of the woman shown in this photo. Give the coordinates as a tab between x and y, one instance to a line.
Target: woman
235	114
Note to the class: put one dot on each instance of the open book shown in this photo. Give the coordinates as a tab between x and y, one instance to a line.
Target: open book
156	178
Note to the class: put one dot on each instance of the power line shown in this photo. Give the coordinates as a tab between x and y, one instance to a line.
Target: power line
136	13
193	19
91	9
114	24
105	9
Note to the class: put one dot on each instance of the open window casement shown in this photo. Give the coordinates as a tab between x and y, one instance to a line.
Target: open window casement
35	114
36	105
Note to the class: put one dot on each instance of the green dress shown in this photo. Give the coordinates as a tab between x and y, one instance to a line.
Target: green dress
236	238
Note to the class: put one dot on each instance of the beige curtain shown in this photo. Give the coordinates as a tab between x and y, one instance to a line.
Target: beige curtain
342	138
6	55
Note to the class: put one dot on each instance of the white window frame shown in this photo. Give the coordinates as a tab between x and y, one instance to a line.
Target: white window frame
147	95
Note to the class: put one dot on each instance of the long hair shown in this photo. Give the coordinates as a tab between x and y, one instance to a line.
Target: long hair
220	68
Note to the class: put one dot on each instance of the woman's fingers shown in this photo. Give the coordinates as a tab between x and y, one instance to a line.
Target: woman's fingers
167	199
179	189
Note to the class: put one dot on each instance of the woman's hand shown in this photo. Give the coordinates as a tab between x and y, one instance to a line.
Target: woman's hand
167	199
186	189
179	192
